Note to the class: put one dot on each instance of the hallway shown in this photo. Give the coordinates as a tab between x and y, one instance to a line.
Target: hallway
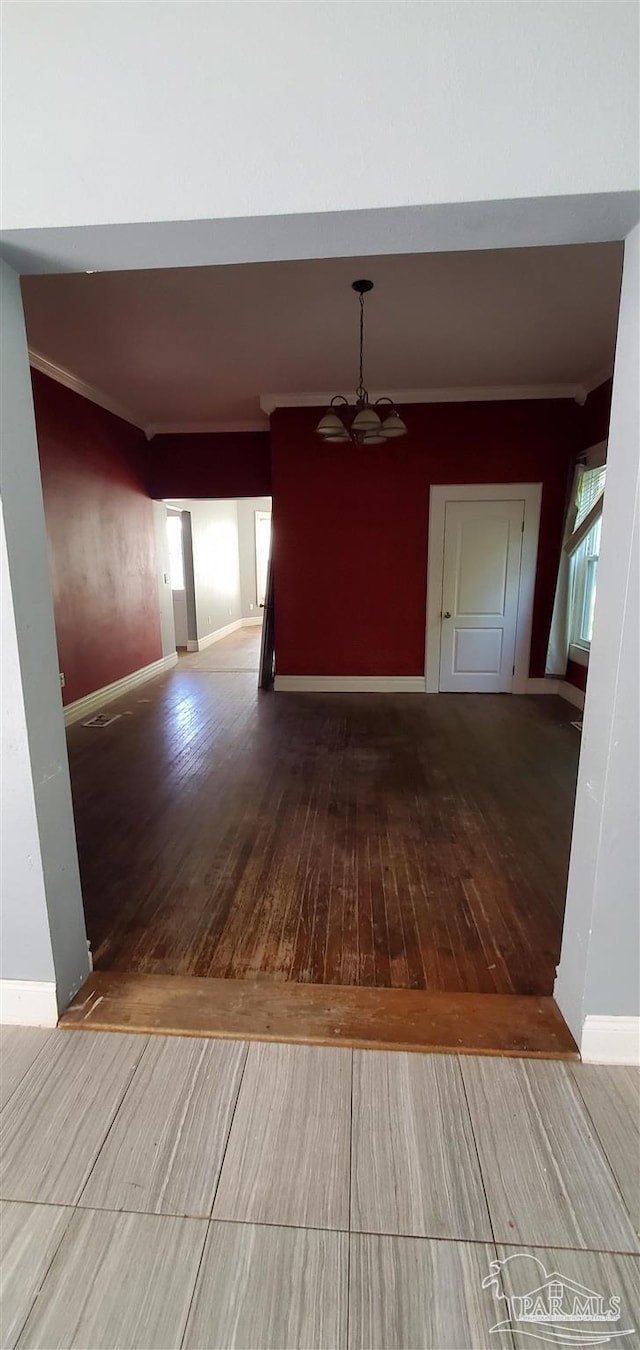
403	841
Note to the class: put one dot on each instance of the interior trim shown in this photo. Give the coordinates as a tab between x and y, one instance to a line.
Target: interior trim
90	703
28	1003
610	1040
78	386
349	684
452	394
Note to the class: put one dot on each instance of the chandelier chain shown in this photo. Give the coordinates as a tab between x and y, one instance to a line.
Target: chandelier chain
361	391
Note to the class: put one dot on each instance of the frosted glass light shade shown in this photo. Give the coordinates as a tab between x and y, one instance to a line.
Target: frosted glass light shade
330	425
393	426
366	420
376	438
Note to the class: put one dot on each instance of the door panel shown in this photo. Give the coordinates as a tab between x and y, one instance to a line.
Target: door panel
482	567
481	578
478	650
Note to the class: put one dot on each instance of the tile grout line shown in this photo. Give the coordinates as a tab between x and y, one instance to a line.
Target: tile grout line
209	1220
195	1283
312	1228
29	1067
231	1124
347	1332
493	1243
591	1134
116	1113
574	1080
477	1153
45	1273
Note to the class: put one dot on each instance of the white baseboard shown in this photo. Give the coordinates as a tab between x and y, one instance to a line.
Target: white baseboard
209	639
571	693
350	684
611	1040
83	707
549	685
28	1003
546	685
250	623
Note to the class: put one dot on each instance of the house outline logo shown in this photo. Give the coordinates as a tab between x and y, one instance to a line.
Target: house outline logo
553	1308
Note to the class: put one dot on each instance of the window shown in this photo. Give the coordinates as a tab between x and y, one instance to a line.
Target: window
176	560
584	559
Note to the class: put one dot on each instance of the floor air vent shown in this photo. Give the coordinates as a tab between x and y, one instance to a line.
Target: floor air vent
102	720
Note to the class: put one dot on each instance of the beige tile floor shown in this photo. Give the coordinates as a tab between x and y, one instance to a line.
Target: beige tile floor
170	1192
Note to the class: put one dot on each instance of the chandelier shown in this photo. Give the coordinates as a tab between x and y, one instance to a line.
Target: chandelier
364	423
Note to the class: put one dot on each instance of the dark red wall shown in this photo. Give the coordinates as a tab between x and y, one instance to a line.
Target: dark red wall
218	464
594	416
350	527
577	675
101	539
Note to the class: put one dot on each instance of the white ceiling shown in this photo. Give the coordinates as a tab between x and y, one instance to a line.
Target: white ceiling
198	347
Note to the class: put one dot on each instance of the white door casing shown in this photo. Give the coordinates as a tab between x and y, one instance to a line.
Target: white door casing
481	569
481	581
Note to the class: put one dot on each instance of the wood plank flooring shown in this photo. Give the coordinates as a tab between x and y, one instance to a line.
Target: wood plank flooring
238	651
316	1014
407	842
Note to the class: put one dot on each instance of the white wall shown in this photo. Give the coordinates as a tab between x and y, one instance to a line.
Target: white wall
247	507
599	972
165	601
216	569
112	110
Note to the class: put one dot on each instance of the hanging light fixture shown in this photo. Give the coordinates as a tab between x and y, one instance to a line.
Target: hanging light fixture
365	423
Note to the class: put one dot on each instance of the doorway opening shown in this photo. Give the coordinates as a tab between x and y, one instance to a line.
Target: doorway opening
348	834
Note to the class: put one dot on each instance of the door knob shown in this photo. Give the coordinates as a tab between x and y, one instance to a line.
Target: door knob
446	615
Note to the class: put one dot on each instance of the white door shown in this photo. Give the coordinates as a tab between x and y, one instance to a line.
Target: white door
481	581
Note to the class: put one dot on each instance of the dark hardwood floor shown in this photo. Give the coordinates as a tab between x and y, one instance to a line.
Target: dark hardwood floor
412	841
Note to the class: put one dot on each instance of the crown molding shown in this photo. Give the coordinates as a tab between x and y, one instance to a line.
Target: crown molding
70	381
269	402
78	386
199	428
600	376
467	394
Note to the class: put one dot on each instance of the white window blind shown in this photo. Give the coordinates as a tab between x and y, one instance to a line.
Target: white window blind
588	506
591	487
